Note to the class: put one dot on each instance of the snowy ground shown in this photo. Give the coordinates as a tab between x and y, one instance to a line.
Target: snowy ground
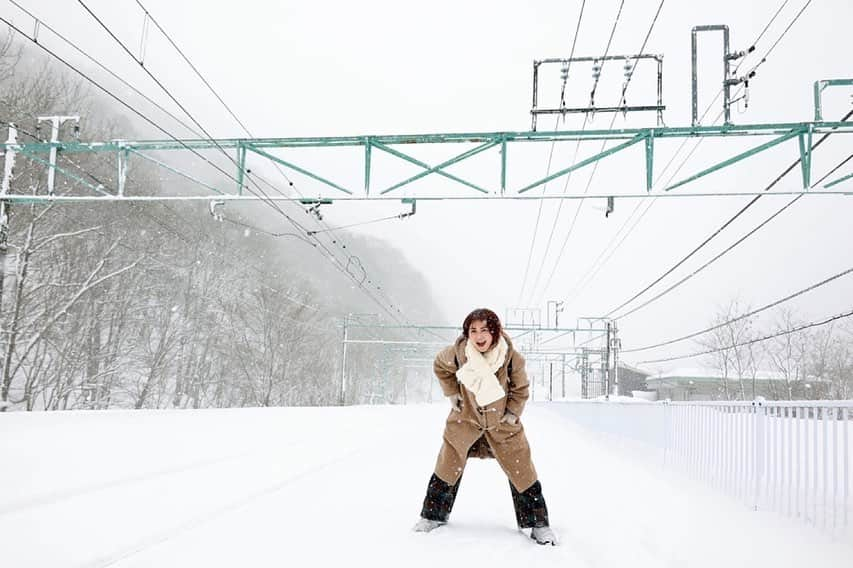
271	487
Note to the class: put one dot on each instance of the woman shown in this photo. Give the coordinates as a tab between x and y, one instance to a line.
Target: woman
484	379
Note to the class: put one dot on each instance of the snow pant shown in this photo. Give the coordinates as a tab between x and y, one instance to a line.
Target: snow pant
530	509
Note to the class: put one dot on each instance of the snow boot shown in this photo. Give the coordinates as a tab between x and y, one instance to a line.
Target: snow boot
426	525
530	508
439	499
543	535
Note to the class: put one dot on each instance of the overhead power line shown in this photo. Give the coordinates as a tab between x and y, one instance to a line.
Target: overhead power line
731	220
571	56
119	100
607	49
596	267
362	223
594	170
327	228
551	154
733	245
743	316
770	23
605	256
751	341
337	263
787	29
115	76
193	67
272	204
266	232
569	177
230	261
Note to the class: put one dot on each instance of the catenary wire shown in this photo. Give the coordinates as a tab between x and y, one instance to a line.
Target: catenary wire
595	169
337	241
85	54
751	341
595	267
719	230
551	154
743	316
574	160
329	255
163	225
275	206
272	204
733	245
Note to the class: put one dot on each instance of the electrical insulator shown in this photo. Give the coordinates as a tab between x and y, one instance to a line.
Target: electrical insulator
628	69
564	71
596	70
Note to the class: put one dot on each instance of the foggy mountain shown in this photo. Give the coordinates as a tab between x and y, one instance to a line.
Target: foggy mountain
152	305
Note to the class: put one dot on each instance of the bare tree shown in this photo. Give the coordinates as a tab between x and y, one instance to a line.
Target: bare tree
9	55
139	305
787	354
731	357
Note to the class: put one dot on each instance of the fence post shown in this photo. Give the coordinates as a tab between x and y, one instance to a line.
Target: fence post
760	417
667	429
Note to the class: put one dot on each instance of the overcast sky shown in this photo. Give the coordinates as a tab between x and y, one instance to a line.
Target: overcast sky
325	68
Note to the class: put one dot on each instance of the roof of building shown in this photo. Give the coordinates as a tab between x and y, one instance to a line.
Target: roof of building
634	369
708	374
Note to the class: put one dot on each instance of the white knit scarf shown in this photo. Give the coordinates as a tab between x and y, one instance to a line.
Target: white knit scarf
478	372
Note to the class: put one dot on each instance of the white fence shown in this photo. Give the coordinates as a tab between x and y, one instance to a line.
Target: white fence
789	457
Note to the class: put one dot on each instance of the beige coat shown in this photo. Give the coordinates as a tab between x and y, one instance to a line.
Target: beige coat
462	429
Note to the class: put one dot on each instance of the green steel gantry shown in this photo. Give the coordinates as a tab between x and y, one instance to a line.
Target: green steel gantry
592	329
394	145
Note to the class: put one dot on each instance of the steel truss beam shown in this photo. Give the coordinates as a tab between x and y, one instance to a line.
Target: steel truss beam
393	145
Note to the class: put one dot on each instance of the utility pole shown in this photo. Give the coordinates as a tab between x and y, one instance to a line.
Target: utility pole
606	361
616	346
344	363
558	307
350	317
5	211
56	122
550	381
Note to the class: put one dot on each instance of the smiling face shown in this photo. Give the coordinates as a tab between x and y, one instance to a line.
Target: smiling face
480	336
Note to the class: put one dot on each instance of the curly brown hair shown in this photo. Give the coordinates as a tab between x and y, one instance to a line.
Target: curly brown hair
488	316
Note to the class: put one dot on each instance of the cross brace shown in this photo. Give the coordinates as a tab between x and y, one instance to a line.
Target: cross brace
273	149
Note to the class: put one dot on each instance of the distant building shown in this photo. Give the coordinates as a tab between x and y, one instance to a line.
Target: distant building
697	383
632	379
